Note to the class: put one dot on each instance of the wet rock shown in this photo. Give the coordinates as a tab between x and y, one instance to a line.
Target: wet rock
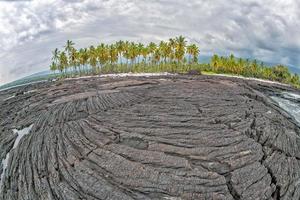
183	137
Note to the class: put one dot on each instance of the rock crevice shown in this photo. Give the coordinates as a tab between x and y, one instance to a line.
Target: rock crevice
149	138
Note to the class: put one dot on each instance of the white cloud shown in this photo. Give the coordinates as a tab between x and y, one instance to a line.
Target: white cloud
29	30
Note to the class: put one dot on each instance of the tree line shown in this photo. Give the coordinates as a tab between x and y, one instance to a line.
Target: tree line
124	56
174	55
252	68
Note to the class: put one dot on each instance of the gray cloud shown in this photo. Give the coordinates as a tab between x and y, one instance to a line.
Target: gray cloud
30	30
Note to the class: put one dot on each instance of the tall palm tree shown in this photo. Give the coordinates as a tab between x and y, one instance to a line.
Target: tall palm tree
180	48
189	51
102	51
69	47
126	53
164	50
133	52
120	49
254	67
172	44
80	60
240	64
53	67
113	54
168	51
73	59
63	62
157	56
55	54
55	60
93	58
144	53
84	58
140	48
195	53
231	63
215	60
152	48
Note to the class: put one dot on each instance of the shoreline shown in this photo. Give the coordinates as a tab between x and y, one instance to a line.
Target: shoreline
130	74
120	75
250	79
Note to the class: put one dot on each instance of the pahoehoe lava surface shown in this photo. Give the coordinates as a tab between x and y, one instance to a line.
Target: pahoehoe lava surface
168	137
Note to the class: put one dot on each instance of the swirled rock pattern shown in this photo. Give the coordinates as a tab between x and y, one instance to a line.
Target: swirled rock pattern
176	137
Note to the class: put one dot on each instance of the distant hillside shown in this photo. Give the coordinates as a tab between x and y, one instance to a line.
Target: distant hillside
42	73
36	77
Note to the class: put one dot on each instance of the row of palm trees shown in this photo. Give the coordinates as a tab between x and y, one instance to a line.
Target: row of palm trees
174	55
233	65
124	56
251	68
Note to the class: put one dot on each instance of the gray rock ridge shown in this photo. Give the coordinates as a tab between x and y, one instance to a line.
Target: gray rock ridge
168	137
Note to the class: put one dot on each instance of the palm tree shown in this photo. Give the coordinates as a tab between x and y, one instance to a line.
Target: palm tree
126	52
168	51
120	49
69	47
80	60
180	48
113	54
55	54
144	53
189	50
157	56
152	48
215	60
85	57
133	52
240	64
281	72
231	64
102	54
295	79
164	50
63	62
55	59
254	67
53	67
195	53
73	59
172	44
140	48
93	58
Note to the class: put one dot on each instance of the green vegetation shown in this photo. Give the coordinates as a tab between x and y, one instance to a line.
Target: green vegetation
247	68
126	57
174	55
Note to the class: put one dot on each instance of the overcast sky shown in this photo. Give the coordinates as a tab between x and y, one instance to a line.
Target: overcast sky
29	30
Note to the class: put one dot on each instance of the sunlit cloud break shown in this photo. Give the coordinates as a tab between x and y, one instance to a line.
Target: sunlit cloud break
30	30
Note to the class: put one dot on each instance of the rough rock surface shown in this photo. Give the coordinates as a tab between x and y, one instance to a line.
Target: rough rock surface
184	137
